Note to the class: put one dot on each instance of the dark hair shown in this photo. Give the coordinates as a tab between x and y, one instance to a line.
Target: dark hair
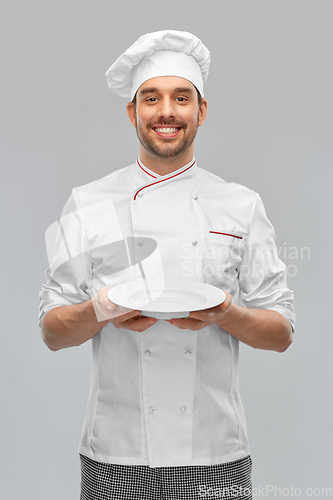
199	98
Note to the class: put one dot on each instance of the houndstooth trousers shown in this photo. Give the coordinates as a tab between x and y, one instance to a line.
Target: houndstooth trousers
100	481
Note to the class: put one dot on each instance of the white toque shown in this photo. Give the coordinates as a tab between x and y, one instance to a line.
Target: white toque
162	53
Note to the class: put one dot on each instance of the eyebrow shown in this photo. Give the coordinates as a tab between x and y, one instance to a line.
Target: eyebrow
184	89
148	91
155	89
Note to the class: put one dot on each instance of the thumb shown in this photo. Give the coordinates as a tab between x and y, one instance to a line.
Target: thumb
103	299
227	302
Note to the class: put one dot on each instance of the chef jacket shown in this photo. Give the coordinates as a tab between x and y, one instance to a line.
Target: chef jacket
166	396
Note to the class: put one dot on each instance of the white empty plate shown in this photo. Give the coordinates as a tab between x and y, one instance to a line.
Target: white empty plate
166	301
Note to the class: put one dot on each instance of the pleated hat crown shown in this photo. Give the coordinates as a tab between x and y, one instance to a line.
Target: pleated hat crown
161	53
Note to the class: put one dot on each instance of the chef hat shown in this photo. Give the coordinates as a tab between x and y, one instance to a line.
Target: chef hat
162	53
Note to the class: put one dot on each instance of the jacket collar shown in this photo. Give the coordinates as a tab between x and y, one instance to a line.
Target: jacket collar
143	175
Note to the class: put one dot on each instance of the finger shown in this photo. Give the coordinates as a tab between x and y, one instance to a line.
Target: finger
102	297
188	323
124	314
110	313
205	314
138	324
142	323
227	303
107	304
102	314
118	312
103	293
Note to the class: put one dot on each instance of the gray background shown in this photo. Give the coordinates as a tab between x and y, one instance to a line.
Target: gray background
269	127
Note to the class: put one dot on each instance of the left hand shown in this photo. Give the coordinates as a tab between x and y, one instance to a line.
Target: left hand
200	319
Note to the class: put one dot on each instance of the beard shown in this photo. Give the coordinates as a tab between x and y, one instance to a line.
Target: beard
166	149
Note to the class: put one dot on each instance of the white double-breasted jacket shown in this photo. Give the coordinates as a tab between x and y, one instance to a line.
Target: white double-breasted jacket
167	396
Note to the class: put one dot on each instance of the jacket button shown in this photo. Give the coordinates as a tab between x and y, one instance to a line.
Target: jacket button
140	243
140	194
152	409
195	197
183	409
147	352
188	353
194	242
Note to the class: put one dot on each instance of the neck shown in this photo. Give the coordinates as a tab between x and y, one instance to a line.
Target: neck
164	166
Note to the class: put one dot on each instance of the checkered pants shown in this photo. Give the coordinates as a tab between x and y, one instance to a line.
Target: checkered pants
229	481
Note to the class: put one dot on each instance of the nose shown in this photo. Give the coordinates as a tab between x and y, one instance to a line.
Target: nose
167	108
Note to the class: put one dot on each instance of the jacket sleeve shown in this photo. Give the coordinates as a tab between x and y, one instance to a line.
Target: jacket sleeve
262	275
67	277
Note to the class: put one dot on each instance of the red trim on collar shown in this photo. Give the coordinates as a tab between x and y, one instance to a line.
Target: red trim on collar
162	180
145	171
227	234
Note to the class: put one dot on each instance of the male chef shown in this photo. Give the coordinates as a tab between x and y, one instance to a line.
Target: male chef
164	418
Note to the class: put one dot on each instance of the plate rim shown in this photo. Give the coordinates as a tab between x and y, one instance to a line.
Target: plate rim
168	284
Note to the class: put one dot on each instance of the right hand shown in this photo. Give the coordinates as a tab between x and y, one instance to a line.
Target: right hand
120	317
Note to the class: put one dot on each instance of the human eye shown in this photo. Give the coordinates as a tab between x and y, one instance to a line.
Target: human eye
151	99
181	99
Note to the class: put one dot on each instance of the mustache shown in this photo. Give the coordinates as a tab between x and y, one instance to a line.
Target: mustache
171	123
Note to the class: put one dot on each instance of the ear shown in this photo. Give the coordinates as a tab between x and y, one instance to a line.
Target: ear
202	111
131	113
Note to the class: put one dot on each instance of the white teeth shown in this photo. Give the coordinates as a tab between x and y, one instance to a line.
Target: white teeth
166	130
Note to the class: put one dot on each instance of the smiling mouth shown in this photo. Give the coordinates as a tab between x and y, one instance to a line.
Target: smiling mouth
166	131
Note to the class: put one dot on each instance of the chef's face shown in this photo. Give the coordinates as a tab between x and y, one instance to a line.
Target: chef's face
166	115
